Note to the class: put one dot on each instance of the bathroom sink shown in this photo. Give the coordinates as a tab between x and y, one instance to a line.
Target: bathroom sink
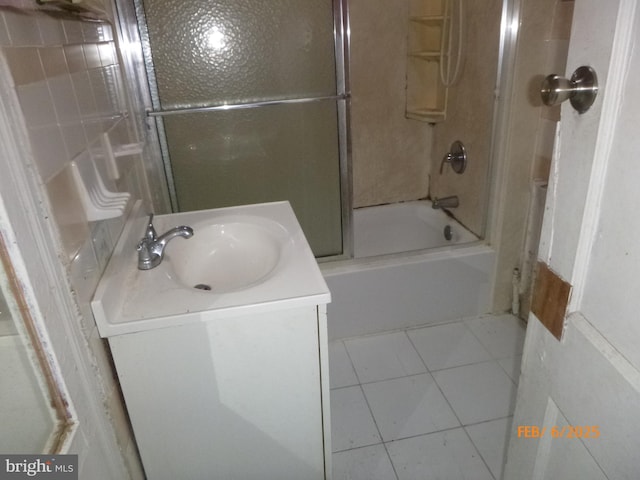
240	261
233	253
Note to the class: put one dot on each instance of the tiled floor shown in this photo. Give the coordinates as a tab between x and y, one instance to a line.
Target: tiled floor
430	402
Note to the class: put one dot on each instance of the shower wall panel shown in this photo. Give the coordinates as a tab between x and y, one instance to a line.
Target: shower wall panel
469	116
390	153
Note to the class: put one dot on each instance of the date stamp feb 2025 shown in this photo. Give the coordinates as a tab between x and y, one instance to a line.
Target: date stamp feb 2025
566	431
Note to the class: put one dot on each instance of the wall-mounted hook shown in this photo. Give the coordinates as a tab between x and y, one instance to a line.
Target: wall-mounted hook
581	89
456	157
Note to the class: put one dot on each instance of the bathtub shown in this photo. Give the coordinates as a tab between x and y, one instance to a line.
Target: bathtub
405	273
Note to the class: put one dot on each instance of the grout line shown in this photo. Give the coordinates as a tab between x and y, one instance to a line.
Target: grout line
417	351
478	452
393	467
358	447
377	428
428	372
353	366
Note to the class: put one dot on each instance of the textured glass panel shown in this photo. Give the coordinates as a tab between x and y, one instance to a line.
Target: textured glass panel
214	51
284	152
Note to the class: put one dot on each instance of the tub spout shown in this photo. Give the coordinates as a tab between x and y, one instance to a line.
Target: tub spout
446	202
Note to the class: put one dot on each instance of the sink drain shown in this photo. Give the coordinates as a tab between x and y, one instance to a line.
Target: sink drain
203	286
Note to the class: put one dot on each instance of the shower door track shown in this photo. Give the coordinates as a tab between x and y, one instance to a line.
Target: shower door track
240	106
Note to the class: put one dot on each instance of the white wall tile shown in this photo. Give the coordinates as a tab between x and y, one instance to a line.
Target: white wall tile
49	150
37	104
68	212
73	31
74	55
51	30
53	61
84	93
102	243
24	64
23	29
91	55
64	99
56	108
4	32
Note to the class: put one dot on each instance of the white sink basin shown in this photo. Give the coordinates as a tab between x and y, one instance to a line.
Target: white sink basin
233	253
240	261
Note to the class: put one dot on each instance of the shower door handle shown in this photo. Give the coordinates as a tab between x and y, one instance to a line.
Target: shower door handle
581	89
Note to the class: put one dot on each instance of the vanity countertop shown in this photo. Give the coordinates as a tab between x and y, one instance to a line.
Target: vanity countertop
129	300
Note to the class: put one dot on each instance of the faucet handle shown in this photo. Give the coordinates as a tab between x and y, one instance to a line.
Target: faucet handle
150	232
456	157
145	257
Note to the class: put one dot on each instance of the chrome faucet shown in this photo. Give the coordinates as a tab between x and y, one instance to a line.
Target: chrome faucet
446	202
151	247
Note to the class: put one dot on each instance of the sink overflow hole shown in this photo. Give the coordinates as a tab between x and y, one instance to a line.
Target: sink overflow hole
203	286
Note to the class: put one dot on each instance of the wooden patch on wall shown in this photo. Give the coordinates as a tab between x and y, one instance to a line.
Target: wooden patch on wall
550	299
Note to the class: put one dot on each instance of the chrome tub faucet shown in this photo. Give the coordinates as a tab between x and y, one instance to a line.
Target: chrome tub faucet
151	247
445	202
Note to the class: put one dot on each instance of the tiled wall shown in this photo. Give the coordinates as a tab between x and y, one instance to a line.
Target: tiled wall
542	49
68	85
390	154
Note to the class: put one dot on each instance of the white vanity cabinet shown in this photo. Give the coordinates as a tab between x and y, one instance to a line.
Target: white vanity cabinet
230	398
230	382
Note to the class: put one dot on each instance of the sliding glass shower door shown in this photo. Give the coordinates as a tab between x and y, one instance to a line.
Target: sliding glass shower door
248	101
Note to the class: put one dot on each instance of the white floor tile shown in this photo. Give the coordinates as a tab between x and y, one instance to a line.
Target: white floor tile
352	425
501	335
341	372
409	406
511	365
446	346
381	357
490	439
448	455
366	463
478	392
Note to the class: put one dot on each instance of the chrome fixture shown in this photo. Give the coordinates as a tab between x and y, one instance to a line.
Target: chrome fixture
241	106
580	90
151	247
446	202
456	157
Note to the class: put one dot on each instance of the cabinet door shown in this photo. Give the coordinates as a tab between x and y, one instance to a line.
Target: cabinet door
237	398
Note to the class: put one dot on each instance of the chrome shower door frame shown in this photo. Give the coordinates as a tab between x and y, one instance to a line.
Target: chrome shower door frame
342	98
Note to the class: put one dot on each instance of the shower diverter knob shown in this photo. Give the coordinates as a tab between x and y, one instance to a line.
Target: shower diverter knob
456	157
